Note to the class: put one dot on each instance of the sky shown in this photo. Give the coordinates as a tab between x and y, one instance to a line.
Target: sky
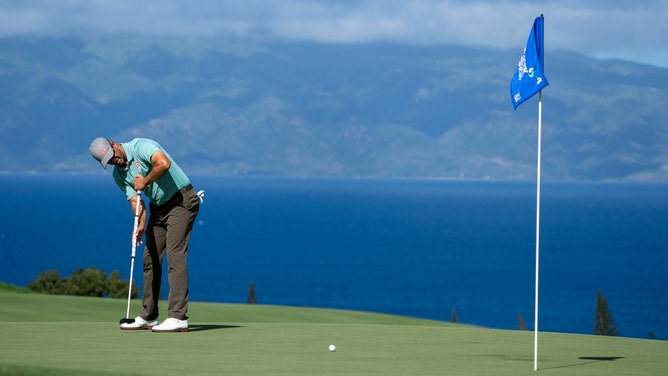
624	29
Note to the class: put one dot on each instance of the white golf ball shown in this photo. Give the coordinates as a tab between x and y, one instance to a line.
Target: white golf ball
332	348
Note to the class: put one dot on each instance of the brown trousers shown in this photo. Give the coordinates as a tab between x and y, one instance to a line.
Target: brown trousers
168	231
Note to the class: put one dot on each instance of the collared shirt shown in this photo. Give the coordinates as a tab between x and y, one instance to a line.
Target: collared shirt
139	152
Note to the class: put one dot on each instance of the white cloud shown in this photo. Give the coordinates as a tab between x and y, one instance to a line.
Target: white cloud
612	28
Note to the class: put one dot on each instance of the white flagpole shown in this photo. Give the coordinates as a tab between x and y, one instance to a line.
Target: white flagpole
540	126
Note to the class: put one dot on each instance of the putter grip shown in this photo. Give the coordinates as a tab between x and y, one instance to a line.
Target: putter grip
136	224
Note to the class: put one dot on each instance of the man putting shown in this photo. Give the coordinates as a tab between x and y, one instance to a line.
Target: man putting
142	165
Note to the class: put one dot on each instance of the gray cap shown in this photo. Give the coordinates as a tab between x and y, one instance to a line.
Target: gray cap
101	150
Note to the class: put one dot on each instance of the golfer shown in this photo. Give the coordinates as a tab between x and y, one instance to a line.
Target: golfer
143	165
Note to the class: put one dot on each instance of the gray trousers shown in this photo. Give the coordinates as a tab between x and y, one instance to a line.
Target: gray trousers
168	231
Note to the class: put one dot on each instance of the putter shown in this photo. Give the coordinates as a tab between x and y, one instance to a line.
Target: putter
127	319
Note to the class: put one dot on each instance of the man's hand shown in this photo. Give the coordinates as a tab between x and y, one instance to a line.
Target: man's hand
140	235
139	210
140	183
160	164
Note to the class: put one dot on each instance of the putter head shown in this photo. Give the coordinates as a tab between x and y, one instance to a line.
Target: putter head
126	321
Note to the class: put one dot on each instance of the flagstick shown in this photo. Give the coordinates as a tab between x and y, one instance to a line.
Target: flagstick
540	125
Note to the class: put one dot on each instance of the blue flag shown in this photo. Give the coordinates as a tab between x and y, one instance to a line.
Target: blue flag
529	79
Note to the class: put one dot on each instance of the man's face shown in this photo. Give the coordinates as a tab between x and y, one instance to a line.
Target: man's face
117	159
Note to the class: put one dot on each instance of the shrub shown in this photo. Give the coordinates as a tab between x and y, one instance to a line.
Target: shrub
88	282
118	288
48	282
83	282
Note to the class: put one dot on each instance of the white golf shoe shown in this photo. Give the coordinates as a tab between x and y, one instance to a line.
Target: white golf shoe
171	325
139	324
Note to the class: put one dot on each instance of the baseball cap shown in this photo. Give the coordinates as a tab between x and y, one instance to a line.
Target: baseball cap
101	150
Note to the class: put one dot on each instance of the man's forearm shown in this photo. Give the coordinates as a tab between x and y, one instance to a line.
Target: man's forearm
160	164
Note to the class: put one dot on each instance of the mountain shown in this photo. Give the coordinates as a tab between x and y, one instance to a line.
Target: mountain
225	106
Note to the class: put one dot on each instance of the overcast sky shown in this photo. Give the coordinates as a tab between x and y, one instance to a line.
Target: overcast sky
631	30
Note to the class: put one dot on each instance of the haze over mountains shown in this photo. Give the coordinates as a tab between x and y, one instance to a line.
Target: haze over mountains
226	106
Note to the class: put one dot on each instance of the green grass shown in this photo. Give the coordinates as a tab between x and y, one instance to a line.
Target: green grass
13	288
58	335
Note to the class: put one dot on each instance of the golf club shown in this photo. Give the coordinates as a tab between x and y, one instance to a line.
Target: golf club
127	318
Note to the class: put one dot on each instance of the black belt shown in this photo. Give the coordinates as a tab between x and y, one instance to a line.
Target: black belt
185	189
175	198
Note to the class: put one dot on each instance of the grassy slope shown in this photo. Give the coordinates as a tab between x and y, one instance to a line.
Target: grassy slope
55	335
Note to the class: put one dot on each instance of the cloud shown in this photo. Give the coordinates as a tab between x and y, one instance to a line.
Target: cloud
599	28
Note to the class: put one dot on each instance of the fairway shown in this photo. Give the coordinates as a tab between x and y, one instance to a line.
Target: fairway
270	340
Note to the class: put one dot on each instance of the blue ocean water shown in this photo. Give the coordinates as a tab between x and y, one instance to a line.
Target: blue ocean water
419	248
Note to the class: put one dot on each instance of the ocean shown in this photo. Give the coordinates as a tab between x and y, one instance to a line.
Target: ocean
421	248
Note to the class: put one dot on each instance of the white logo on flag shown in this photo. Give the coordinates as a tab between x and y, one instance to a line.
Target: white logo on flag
522	67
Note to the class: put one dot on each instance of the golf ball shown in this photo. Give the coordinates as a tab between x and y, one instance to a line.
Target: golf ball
332	348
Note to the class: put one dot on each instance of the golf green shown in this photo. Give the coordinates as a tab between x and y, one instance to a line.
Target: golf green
271	340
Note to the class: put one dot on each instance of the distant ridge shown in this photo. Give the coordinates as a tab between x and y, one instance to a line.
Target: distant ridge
226	106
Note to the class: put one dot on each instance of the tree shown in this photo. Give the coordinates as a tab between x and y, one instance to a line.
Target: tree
605	323
521	324
252	299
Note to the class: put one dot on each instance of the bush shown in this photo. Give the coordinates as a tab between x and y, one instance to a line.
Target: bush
83	282
47	282
88	282
117	288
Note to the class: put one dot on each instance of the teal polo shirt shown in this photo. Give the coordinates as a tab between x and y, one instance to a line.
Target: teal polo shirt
139	152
